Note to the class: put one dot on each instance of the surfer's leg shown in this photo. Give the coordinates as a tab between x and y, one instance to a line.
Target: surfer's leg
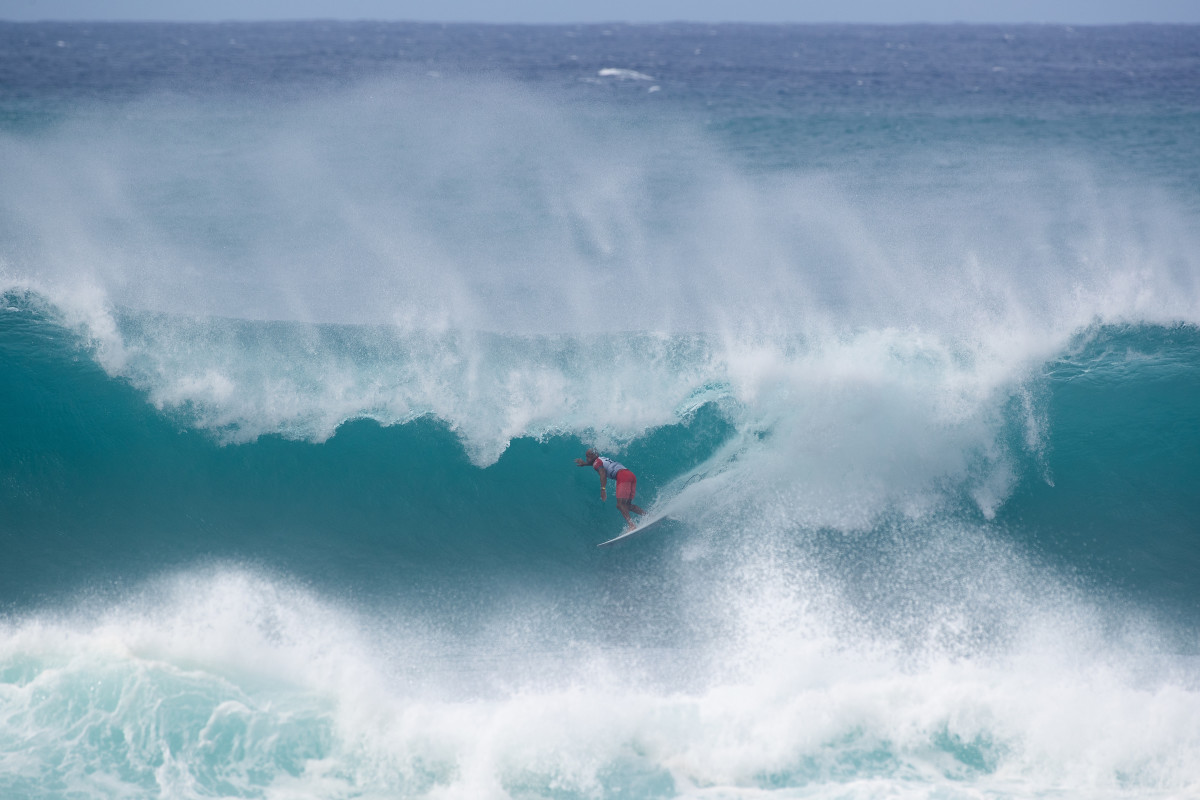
626	488
623	507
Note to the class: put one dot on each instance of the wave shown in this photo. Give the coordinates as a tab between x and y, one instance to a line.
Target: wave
624	74
228	682
1087	459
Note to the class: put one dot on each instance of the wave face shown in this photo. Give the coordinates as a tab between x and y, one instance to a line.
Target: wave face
303	325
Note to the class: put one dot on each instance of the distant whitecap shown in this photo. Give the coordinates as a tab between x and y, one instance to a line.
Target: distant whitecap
624	74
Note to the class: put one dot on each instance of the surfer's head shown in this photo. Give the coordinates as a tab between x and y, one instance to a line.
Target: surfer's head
590	456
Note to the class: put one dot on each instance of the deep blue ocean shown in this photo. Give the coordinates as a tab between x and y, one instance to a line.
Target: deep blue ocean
303	325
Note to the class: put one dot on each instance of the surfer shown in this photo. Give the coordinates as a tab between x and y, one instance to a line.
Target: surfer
626	482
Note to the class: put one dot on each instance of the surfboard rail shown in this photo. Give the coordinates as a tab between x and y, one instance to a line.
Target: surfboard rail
652	522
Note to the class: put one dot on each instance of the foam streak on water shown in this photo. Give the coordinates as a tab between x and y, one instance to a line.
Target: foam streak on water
238	685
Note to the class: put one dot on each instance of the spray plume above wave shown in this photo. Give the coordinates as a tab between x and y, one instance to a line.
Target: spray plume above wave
482	207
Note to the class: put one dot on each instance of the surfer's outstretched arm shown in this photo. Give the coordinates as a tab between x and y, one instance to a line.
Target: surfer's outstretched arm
589	460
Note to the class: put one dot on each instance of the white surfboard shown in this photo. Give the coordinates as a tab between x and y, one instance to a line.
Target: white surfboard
649	521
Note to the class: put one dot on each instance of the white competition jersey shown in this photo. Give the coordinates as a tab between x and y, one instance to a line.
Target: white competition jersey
610	466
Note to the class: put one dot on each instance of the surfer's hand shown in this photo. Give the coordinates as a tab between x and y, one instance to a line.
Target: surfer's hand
579	462
603	495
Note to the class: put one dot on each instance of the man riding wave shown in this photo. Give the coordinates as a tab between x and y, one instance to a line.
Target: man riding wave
626	483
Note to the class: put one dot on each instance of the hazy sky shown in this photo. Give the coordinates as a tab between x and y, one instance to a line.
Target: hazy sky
1081	12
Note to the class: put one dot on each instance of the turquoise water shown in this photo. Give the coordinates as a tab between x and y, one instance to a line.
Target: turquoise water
302	327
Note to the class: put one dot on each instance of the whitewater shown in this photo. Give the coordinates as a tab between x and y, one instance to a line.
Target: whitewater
302	326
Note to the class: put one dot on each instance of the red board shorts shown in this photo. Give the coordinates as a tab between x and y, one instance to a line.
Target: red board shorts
626	485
